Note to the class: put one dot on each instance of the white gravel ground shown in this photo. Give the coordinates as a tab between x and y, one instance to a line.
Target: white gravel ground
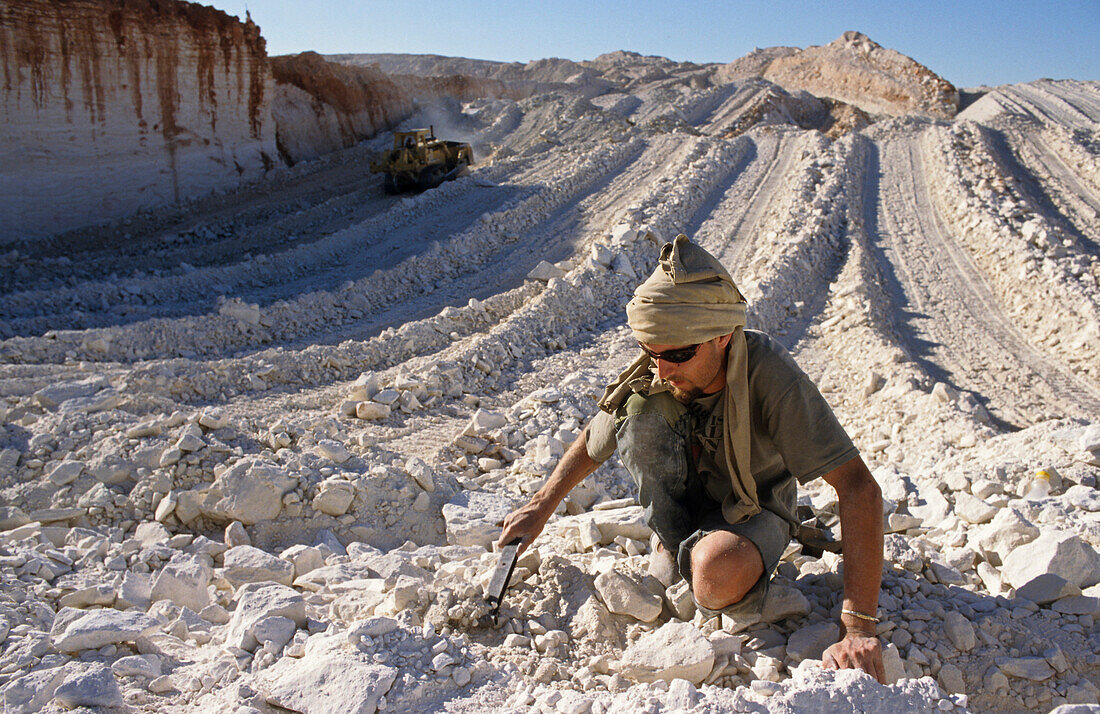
181	466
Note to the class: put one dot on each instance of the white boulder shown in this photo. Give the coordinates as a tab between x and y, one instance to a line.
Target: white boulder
329	677
677	650
252	491
1059	554
624	595
96	628
248	564
184	581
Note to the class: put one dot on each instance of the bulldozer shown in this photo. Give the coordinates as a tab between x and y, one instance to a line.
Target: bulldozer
419	161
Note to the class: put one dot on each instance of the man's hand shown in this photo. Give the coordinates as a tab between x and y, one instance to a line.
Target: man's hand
857	650
526	522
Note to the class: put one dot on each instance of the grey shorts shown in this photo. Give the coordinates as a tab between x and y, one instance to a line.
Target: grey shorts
767	531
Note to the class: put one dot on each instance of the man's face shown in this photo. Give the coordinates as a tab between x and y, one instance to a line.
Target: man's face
705	373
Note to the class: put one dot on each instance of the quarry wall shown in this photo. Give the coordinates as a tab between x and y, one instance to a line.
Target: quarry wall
111	106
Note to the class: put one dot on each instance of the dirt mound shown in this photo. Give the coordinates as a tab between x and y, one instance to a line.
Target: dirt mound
855	70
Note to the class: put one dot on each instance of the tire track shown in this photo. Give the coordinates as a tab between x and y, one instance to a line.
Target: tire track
957	323
731	228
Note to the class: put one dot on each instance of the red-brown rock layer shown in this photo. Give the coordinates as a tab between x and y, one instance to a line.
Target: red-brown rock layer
110	106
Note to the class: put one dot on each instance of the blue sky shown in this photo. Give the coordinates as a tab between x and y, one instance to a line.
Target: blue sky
968	43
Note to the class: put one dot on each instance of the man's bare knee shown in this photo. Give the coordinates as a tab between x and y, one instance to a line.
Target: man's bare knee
724	567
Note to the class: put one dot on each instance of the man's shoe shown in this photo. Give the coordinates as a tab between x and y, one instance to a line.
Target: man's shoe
661	563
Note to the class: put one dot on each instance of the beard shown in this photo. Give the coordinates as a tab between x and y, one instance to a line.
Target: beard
685	396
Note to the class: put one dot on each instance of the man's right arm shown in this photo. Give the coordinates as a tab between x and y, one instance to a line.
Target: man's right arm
527	522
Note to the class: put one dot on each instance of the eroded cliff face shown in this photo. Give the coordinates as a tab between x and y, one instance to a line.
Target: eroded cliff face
322	106
111	106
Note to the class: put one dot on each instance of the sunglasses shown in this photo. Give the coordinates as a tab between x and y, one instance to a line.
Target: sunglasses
676	356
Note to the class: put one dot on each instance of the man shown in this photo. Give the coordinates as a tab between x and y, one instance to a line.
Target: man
716	425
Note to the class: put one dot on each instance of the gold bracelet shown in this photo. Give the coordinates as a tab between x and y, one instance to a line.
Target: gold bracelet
860	615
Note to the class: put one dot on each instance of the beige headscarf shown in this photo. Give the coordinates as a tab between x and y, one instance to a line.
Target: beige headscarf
691	298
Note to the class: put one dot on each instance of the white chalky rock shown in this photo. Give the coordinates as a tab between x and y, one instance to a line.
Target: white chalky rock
612	523
162	684
372	411
101	595
677	650
305	558
944	393
184	581
682	695
1063	555
951	679
625	596
274	631
484	421
12	517
472	517
235	534
66	472
334	497
190	439
486	464
621	265
1084	498
387	396
151	533
262	601
148	666
810	642
99	402
624	234
334	450
166	507
784	602
247	564
136	590
96	628
89	686
544	271
973	509
1005	533
252	491
170	456
33	691
52	396
421	473
365	386
329	677
901	522
372	627
893	667
546	395
213	419
602	255
932	507
1036	669
215	613
959	631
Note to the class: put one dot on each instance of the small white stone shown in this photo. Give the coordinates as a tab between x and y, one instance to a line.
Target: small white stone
331	449
371	410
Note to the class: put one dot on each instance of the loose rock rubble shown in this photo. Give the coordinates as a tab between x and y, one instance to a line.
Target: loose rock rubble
288	499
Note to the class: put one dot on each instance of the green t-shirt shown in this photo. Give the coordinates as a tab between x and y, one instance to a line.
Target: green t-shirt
794	434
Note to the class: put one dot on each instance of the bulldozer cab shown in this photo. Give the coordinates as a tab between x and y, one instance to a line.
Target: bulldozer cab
409	139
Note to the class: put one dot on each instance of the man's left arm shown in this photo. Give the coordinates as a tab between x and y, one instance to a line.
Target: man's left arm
860	502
